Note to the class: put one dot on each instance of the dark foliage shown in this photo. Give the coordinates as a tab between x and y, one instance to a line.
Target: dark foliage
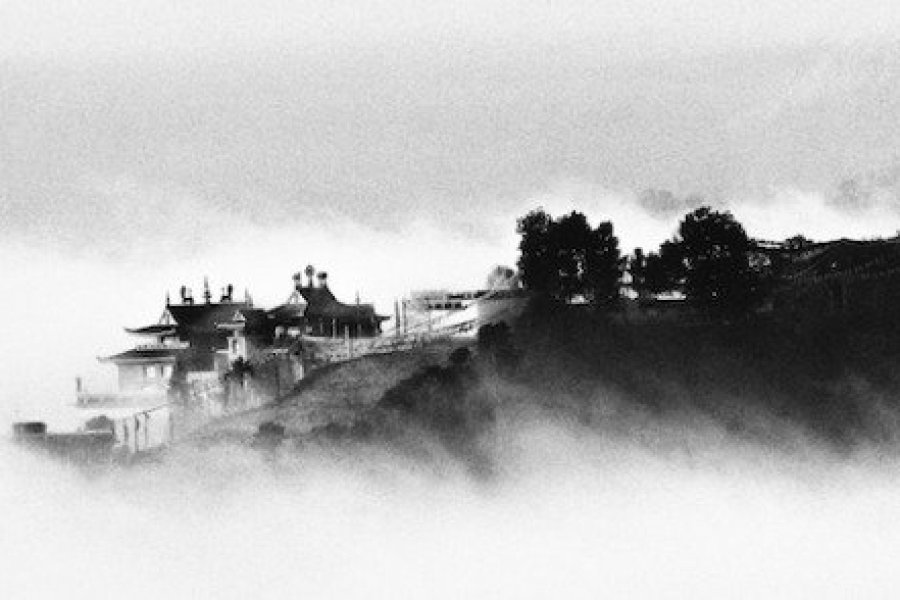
565	257
447	401
653	273
239	368
766	380
460	357
710	261
269	436
495	345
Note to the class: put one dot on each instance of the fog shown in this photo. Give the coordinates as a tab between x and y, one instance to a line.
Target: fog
144	147
568	513
69	307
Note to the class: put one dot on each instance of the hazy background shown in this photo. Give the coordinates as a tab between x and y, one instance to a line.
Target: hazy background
393	144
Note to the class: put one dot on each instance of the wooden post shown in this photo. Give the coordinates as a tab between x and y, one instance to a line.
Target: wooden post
405	324
397	317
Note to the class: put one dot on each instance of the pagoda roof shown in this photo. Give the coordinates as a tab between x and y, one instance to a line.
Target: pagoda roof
322	303
205	317
153	330
288	312
139	354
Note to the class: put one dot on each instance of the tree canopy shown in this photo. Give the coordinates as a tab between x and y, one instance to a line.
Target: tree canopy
710	261
565	257
654	273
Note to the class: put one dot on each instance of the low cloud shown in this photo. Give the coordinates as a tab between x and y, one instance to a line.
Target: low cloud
571	513
818	216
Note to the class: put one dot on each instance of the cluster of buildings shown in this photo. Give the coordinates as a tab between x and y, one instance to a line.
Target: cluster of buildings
203	357
208	356
206	337
213	354
197	338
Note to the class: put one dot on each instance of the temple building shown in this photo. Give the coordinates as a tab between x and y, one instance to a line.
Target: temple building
207	337
313	310
144	369
148	366
186	334
249	330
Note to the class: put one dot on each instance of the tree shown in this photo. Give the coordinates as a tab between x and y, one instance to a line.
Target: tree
665	269
710	262
797	242
536	261
637	269
565	257
502	278
656	272
603	265
570	238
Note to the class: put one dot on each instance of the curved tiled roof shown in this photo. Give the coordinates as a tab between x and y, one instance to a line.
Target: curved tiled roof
204	317
290	312
153	330
321	303
144	354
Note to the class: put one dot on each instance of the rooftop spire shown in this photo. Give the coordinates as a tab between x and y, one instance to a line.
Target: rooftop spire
206	295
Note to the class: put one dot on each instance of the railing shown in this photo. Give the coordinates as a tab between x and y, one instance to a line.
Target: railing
460	322
163	346
149	397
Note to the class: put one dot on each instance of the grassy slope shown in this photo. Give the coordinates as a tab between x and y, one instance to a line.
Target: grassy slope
333	394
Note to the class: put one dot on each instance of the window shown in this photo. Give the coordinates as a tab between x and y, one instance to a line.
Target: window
151	372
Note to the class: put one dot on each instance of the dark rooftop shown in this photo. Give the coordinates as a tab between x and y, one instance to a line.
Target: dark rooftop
204	317
153	330
322	303
144	354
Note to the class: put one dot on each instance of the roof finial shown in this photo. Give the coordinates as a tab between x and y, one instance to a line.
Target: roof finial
206	295
168	299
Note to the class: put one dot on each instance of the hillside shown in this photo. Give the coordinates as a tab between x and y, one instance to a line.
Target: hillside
833	386
831	382
332	394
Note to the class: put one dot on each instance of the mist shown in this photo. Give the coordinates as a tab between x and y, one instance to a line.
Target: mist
394	145
570	512
82	298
